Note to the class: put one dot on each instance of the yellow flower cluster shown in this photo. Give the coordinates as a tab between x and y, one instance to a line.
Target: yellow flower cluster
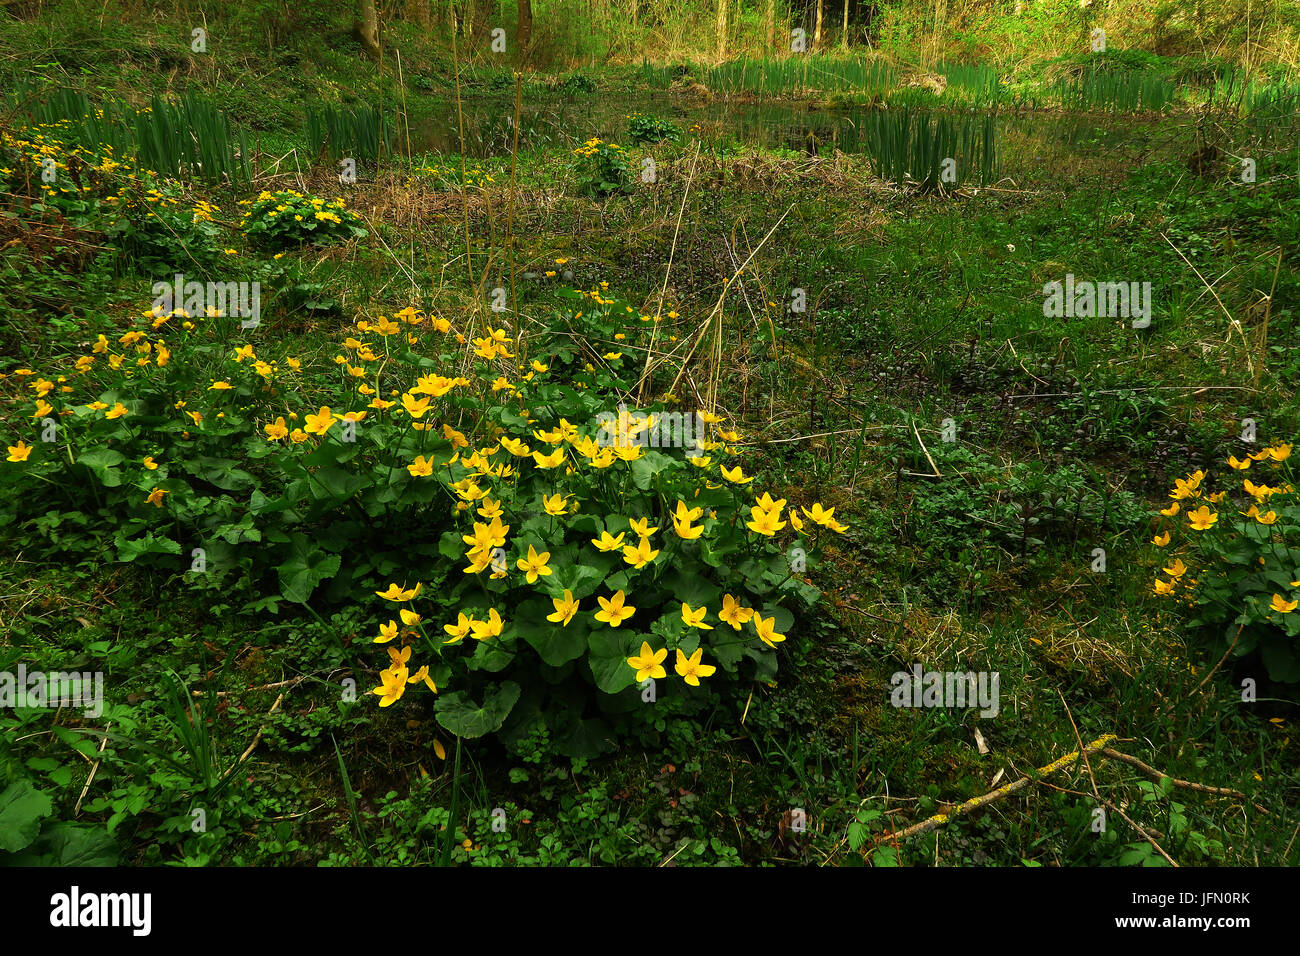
1190	489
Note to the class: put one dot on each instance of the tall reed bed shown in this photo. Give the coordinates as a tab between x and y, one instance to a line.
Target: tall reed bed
363	133
188	138
911	145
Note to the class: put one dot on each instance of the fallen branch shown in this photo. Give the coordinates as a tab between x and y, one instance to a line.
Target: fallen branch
976	802
1158	776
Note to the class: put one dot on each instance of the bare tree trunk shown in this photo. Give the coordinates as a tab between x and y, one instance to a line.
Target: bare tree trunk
817	29
722	28
366	27
771	24
524	28
417	12
844	36
479	23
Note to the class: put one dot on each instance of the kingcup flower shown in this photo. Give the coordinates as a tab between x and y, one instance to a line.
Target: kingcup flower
648	663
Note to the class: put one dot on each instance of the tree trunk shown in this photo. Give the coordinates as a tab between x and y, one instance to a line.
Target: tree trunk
524	28
817	29
722	28
844	37
771	25
366	27
417	12
479	24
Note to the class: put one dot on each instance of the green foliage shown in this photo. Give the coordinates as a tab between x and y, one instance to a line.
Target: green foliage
1235	558
360	133
602	169
651	129
287	218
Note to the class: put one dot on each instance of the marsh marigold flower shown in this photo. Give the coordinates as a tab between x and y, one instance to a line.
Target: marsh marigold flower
648	663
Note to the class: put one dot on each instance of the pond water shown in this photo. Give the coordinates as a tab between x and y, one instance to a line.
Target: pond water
1021	139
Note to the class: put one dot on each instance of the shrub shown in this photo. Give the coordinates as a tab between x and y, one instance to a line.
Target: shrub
287	218
602	168
651	129
519	546
1239	570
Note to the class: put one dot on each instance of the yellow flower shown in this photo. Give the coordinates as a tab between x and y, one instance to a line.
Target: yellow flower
482	630
415	407
1238	465
1161	540
641	555
691	669
387	632
460	630
609	542
117	411
1172	510
534	565
1164	587
19	452
735	475
767	632
1268	517
421	467
1279	452
319	423
733	613
565	608
1184	489
219	386
149	463
764	522
553	460
1282	605
423	675
694	618
1202	518
276	430
649	663
1177	569
555	505
641	527
613	611
156	496
395	593
393	686
409	618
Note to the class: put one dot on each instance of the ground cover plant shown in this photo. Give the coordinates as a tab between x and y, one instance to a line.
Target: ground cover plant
663	443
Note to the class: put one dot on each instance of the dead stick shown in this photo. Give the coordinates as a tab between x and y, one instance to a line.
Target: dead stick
1159	775
976	802
257	739
91	779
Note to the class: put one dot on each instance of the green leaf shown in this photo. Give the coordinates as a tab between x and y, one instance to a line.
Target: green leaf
68	844
337	483
457	713
22	807
555	645
148	544
610	650
307	567
101	461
